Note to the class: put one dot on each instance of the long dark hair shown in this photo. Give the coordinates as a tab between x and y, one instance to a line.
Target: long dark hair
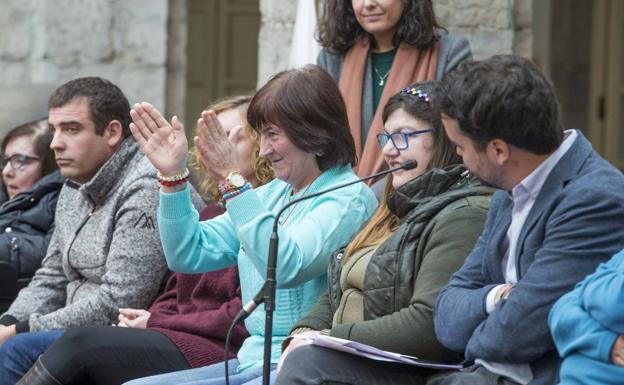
443	152
339	29
384	222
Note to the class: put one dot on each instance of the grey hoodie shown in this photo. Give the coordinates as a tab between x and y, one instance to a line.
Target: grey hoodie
105	252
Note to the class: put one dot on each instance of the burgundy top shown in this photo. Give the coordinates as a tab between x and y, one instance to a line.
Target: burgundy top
196	310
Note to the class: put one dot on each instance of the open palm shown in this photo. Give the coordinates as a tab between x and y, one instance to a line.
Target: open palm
217	152
164	144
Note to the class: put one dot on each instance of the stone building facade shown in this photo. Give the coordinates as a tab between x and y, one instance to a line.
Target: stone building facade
141	45
45	43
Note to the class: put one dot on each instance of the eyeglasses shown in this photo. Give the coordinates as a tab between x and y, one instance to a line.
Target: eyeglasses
17	161
399	139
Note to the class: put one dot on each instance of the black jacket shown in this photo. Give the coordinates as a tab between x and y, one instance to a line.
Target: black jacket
26	224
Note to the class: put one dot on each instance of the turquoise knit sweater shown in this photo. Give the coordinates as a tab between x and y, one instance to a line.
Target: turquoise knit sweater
585	324
310	231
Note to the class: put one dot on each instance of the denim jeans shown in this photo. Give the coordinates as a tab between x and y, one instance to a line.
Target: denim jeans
21	351
208	375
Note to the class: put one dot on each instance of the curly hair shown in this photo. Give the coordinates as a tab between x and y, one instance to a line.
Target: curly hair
339	29
262	166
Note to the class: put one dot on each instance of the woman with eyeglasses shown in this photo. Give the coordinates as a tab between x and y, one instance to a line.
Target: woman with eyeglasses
384	284
373	48
30	187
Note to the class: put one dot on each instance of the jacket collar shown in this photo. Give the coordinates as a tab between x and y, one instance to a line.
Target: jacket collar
565	170
431	184
106	179
51	182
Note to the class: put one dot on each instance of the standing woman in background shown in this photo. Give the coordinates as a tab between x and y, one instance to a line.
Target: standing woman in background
374	48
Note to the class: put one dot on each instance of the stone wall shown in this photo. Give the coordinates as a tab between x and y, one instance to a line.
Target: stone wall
487	24
141	44
491	26
276	24
50	42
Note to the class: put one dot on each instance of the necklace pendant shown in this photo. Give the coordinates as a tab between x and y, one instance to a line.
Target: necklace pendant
381	82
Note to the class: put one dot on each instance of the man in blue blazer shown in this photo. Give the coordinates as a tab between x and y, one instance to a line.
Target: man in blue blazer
558	214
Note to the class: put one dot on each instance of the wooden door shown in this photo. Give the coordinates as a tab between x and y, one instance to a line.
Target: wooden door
222	52
607	80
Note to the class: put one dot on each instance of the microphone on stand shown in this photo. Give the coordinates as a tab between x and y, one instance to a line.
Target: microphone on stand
266	295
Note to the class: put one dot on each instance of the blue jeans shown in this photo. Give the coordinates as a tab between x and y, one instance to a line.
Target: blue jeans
207	375
21	351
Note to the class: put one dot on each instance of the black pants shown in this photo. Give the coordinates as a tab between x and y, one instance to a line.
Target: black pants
313	365
106	355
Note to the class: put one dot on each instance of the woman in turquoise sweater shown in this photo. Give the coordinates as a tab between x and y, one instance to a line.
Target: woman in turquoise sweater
303	129
587	325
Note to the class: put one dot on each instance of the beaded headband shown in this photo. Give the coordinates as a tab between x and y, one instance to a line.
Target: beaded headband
415	91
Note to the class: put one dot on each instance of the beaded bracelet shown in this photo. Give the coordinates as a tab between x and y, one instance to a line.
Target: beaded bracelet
174	178
173	183
231	194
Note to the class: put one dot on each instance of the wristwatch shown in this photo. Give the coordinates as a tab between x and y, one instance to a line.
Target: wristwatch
234	181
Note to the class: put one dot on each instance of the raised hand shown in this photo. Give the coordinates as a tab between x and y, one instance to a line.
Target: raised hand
164	144
217	153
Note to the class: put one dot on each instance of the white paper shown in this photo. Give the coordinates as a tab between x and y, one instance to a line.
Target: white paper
373	353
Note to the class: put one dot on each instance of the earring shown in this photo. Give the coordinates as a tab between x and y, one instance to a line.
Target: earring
319	153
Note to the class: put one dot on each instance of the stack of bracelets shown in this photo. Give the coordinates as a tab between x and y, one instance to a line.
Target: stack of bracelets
231	193
175	180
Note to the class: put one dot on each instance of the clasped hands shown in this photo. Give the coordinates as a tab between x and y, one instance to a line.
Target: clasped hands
165	144
133	318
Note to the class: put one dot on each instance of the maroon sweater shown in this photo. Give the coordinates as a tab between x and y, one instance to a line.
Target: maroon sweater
195	312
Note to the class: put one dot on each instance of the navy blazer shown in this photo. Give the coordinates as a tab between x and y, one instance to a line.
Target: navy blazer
576	223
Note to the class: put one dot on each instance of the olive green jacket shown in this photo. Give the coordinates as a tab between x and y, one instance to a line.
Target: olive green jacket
442	214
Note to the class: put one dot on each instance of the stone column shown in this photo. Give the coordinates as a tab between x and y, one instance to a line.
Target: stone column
276	24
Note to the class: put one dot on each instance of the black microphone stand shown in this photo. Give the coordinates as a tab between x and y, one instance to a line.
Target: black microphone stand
266	295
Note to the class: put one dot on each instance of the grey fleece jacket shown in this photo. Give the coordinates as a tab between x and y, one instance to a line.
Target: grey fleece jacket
105	252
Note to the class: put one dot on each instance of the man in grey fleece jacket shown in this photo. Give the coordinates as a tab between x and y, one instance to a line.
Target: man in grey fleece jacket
105	252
